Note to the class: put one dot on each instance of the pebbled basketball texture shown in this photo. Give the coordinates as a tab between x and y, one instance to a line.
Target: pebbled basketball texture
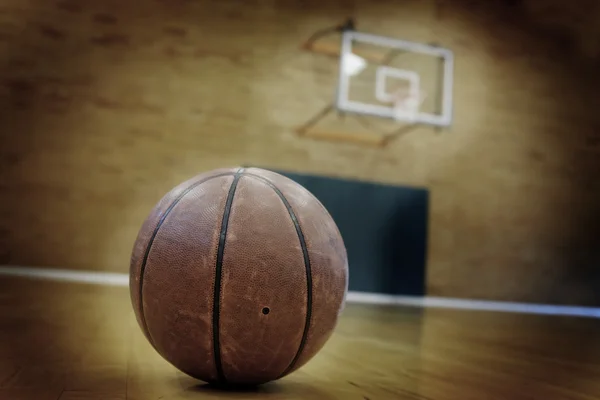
238	276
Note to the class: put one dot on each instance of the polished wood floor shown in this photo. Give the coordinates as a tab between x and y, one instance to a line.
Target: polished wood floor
79	342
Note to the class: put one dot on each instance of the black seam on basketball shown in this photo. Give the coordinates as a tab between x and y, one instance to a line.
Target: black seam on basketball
151	241
302	240
218	270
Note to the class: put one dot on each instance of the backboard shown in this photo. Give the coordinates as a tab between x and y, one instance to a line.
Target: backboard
395	79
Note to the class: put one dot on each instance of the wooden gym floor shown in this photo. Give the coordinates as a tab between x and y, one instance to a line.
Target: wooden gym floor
73	341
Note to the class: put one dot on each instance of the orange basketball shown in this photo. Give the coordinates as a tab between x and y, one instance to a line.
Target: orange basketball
238	276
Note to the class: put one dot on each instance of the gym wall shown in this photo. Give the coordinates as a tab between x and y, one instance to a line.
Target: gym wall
107	105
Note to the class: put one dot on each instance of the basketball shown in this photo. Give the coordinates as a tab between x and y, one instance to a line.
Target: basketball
238	276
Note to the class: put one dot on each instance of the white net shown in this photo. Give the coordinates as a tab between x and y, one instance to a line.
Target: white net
406	103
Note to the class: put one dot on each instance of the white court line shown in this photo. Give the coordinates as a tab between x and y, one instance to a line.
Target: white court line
115	279
97	278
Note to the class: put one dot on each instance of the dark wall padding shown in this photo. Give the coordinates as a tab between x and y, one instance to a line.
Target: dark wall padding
384	228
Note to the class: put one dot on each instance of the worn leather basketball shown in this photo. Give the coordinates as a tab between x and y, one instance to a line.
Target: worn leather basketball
238	276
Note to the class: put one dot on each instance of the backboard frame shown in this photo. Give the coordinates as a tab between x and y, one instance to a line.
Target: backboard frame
344	104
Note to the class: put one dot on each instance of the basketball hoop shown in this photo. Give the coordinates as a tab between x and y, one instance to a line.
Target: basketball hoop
405	101
406	104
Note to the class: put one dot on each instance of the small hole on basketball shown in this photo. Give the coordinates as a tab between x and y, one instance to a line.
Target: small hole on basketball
266	310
